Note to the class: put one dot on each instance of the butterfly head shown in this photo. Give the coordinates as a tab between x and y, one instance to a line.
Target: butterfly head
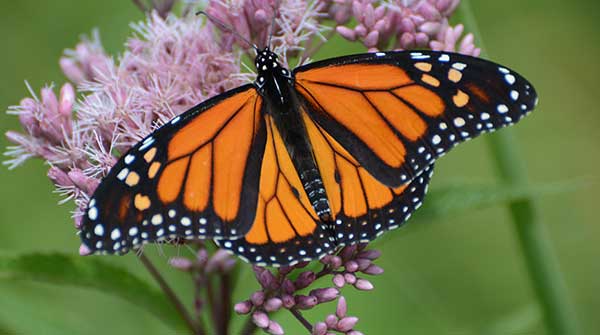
267	64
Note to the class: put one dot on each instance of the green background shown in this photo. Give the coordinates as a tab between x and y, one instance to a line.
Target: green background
463	274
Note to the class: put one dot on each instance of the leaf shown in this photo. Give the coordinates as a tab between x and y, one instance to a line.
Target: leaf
60	269
463	196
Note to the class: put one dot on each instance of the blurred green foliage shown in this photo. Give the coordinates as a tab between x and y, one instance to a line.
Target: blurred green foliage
460	273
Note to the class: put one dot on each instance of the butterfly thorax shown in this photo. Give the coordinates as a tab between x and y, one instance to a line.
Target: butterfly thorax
276	85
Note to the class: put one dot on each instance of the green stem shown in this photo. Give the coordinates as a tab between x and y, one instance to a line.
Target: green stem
194	328
541	262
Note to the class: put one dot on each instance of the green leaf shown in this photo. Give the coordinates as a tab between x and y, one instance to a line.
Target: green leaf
463	196
60	269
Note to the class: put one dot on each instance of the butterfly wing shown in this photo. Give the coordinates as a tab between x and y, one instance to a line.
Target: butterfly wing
184	180
362	206
286	227
396	112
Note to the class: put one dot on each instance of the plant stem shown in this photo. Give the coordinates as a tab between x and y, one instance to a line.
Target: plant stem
296	313
249	327
226	305
195	328
541	263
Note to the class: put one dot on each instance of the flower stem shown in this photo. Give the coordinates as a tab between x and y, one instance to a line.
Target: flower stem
195	328
541	263
226	305
296	313
249	327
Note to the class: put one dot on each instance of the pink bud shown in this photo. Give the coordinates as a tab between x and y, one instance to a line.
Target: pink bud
372	39
354	332
407	25
83	182
347	323
305	279
67	98
346	33
261	320
351	266
331	320
357	9
430	28
49	101
266	278
360	30
288	301
261	16
257	298
363	285
347	253
243	307
77	221
320	328
181	263
342	307
72	70
380	25
407	40
373	270
379	12
273	304
84	250
339	281
369	16
325	294
429	12
350	278
306	302
421	39
274	328
59	177
288	286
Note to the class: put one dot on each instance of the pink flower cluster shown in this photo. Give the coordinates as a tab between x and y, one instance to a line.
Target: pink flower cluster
402	24
278	291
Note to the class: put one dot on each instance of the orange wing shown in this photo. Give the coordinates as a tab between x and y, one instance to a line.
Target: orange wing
396	112
195	177
362	207
286	228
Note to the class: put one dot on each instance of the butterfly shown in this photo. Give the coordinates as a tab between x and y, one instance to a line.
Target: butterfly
299	163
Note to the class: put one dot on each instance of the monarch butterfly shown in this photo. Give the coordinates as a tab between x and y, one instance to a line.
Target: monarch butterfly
300	162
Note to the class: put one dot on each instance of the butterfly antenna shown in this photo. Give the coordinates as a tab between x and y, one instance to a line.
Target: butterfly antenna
230	29
272	30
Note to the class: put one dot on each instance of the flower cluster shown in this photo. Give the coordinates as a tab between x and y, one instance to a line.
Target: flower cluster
172	62
402	24
279	291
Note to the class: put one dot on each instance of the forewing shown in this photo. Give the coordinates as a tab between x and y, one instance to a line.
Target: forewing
195	177
396	112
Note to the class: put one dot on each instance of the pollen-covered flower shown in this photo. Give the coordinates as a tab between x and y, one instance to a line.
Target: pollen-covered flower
169	65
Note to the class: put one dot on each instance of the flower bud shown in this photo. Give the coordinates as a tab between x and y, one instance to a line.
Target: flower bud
347	323
261	320
342	307
181	263
363	285
243	307
274	328
273	304
257	298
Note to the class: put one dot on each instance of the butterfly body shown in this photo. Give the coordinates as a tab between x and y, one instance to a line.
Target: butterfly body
301	162
276	85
